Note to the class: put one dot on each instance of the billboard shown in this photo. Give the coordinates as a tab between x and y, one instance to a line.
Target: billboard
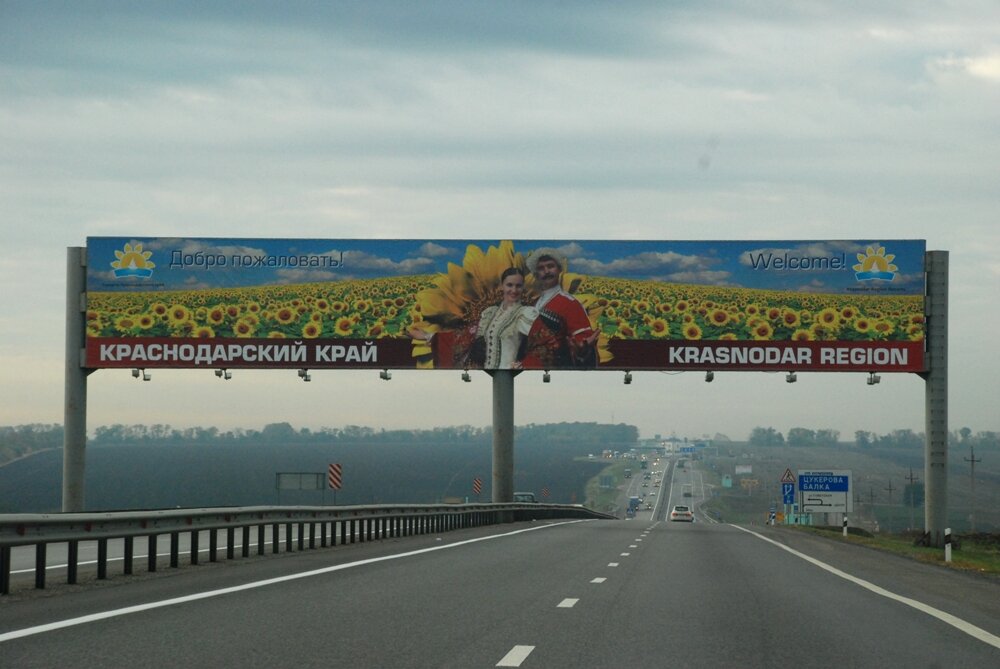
506	304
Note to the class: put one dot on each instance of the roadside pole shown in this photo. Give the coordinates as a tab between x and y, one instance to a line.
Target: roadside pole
75	393
936	398
503	436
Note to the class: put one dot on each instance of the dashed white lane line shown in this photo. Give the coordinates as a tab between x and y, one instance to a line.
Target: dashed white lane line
612	564
633	546
947	618
567	603
625	554
516	656
599	580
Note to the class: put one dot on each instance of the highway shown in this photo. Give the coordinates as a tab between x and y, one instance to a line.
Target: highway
628	593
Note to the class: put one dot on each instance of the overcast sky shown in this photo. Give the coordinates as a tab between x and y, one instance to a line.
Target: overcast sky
513	120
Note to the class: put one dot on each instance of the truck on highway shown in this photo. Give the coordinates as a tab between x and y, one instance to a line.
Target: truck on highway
633	506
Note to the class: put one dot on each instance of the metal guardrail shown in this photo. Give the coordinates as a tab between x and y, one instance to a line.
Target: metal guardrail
324	525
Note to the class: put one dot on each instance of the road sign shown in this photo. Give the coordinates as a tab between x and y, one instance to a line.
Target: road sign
335	475
477	485
788	493
826	491
787	477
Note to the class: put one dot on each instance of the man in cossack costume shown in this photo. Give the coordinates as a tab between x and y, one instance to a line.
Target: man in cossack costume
561	336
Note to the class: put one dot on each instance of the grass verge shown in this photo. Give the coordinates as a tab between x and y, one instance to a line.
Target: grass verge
973	553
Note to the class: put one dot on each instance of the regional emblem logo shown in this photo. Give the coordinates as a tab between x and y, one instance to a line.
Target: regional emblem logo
133	261
875	264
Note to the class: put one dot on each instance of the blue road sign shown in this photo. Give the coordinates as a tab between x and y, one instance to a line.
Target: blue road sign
824	482
788	493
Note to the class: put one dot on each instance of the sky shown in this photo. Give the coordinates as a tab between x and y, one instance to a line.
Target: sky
522	120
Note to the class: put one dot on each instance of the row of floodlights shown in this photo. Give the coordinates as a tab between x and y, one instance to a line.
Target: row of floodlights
386	375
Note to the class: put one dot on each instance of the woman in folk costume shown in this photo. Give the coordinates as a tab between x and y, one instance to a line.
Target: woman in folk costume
497	340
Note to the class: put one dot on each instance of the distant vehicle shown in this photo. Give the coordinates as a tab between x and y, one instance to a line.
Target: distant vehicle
628	473
648	506
633	504
525	497
682	514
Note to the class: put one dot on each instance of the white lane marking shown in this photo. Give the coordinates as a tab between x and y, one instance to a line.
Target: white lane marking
625	554
103	615
947	618
599	579
516	656
633	546
612	564
567	603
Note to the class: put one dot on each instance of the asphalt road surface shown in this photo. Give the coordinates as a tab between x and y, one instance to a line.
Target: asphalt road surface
633	593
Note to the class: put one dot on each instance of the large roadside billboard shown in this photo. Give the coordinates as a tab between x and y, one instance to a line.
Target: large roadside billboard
807	305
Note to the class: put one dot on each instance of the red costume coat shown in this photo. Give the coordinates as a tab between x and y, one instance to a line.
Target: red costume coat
559	336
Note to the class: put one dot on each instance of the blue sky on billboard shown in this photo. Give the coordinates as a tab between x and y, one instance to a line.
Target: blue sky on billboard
453	120
800	266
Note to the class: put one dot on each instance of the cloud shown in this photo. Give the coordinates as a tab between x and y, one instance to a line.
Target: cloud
359	263
985	67
648	265
432	250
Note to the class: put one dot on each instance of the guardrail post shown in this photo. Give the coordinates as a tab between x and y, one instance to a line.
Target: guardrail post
4	570
302	535
129	554
102	558
175	547
231	542
151	553
40	566
72	560
195	535
213	544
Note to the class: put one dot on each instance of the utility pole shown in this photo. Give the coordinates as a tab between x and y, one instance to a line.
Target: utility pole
972	460
889	490
912	479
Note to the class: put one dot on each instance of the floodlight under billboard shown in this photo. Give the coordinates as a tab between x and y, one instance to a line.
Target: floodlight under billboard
465	304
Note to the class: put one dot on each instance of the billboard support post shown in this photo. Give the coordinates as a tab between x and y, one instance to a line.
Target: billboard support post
503	435
936	398
75	395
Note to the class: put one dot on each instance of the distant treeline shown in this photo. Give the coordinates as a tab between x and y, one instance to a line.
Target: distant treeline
901	439
21	440
151	468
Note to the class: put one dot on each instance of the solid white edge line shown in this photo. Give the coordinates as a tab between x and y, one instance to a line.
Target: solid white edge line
104	615
515	656
947	618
